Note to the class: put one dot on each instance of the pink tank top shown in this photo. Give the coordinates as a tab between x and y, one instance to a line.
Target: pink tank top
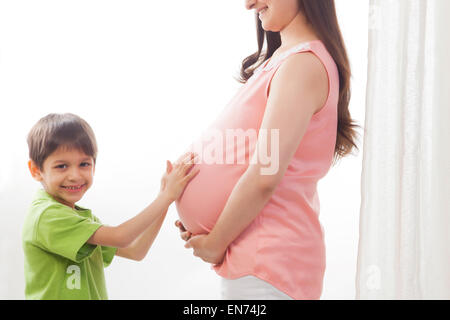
284	245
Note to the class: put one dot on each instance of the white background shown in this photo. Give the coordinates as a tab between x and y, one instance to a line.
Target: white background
148	76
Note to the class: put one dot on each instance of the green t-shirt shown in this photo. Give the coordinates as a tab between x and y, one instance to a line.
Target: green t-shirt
59	263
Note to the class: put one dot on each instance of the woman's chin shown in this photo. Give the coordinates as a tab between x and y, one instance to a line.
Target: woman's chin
267	26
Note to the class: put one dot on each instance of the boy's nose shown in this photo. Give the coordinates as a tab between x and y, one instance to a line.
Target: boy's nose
74	175
249	4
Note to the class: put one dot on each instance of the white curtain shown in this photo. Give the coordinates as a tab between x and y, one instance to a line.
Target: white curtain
404	243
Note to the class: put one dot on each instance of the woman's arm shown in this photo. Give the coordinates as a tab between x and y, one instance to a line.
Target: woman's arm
298	90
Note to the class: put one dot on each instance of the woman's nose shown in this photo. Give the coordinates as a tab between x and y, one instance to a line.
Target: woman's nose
249	4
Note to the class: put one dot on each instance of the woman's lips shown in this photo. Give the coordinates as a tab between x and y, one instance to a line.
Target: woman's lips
262	11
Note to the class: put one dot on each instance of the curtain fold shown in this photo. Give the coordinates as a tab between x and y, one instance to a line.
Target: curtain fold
404	248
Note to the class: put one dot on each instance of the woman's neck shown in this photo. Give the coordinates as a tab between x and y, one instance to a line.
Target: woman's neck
297	31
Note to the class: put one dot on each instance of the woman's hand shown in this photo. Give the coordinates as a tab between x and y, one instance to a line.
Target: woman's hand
201	244
205	249
177	177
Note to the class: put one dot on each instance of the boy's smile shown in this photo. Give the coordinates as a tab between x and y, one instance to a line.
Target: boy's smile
66	174
74	189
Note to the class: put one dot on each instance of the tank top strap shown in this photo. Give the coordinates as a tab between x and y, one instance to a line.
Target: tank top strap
301	47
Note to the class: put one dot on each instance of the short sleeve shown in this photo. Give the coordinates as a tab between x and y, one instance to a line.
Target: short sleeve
108	253
63	232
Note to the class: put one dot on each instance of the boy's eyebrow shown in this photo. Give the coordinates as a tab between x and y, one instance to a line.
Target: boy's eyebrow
55	161
84	159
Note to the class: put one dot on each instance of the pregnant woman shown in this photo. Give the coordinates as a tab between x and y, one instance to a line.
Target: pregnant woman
261	230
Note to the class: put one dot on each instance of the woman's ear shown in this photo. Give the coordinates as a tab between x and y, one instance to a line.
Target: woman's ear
34	170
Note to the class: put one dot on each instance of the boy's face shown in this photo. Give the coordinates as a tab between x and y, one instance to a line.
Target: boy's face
66	174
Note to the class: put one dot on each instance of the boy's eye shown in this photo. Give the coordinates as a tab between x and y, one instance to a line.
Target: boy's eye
61	166
85	164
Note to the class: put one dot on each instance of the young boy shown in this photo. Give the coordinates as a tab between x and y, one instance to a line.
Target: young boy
66	247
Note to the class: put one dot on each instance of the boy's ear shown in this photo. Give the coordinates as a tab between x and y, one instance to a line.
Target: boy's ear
34	170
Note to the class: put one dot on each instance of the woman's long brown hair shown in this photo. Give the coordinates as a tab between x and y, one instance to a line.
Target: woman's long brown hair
321	15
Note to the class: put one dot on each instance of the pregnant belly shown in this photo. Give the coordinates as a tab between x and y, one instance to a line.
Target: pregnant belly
205	196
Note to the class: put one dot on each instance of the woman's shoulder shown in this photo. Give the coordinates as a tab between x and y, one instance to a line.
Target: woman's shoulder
305	71
304	64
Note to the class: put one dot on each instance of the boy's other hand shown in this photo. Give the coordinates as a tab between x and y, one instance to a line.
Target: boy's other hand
178	175
184	234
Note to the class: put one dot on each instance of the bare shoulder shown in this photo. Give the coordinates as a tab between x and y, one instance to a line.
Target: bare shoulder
306	75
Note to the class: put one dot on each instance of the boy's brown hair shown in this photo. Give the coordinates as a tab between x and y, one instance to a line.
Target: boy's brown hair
56	130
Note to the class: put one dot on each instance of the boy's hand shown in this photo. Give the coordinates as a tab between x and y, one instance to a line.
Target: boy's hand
177	177
184	234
